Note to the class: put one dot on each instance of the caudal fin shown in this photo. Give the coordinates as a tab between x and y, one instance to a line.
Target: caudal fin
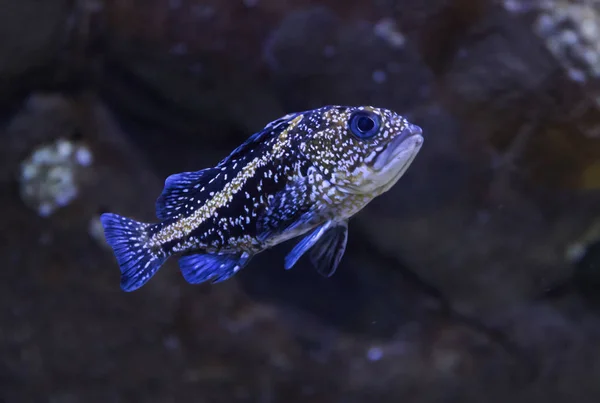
127	238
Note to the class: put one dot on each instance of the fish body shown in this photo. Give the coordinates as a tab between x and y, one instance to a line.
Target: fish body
305	173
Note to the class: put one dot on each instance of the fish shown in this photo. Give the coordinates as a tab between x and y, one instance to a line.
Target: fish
304	174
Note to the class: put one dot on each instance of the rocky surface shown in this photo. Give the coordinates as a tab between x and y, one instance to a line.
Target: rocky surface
473	279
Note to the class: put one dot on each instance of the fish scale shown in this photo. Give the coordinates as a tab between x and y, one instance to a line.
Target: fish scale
306	171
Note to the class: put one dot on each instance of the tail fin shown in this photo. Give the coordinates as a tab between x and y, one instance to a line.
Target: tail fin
127	238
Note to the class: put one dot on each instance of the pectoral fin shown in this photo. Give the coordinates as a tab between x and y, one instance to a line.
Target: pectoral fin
327	253
327	244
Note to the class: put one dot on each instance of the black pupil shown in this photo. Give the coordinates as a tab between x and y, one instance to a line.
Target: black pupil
365	124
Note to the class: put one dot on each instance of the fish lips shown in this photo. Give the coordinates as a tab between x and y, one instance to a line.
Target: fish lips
402	148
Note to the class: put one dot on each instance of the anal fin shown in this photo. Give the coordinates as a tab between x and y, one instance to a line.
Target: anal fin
201	267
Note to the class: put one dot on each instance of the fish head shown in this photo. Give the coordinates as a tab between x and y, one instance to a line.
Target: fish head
361	150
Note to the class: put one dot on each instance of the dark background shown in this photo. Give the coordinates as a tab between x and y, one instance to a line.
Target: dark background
475	279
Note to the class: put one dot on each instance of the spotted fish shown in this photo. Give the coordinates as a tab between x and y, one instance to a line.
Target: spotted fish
305	173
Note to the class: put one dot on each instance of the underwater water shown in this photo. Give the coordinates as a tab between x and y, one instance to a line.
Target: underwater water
475	278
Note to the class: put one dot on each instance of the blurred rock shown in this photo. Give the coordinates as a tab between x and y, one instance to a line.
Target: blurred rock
33	35
49	177
571	32
318	56
512	201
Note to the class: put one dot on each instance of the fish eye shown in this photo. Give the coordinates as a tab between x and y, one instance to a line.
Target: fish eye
364	125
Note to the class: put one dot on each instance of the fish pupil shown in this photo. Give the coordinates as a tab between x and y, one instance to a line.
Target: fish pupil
364	124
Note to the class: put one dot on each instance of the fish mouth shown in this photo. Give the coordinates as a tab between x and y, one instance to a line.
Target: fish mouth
402	149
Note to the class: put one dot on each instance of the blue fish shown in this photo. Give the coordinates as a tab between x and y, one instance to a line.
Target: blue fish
305	173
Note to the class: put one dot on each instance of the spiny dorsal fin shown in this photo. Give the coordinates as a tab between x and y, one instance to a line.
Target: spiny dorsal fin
179	190
271	130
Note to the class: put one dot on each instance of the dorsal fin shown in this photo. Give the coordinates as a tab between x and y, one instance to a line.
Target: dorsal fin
179	190
271	130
